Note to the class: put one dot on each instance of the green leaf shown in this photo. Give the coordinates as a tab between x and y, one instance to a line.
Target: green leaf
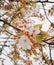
38	39
33	2
18	7
20	34
44	34
5	26
15	57
35	52
38	25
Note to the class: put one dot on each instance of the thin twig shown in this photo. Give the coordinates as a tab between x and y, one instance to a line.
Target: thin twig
50	55
46	14
3	14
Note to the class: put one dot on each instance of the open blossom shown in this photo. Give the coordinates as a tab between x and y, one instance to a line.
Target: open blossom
51	32
34	31
24	43
26	32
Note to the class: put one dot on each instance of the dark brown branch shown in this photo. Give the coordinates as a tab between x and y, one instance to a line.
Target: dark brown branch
43	1
49	39
10	25
20	30
5	45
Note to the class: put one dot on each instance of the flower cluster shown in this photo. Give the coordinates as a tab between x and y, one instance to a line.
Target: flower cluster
24	35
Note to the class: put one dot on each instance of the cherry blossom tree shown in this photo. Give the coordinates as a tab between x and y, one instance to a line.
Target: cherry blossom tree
26	30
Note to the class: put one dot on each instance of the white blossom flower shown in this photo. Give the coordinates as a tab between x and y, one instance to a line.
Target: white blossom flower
24	43
34	31
51	32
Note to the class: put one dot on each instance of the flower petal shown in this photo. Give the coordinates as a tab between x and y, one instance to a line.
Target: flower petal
24	43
